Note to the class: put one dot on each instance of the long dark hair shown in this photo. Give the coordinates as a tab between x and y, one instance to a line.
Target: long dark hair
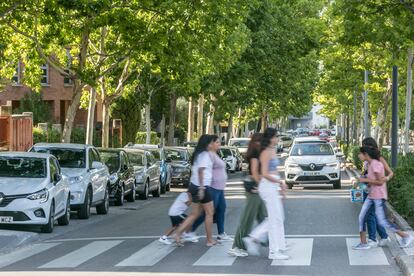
370	142
202	145
254	145
267	136
372	152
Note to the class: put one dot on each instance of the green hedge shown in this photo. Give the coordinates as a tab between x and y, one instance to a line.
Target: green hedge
51	136
141	137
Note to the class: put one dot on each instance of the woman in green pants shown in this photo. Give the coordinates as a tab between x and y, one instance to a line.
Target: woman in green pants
255	208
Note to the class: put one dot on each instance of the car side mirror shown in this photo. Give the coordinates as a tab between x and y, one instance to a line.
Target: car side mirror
56	178
168	160
96	165
125	168
284	155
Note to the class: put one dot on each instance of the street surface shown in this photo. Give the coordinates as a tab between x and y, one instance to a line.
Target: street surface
321	226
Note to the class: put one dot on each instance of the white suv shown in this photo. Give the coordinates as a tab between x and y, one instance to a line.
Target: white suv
312	161
33	191
88	176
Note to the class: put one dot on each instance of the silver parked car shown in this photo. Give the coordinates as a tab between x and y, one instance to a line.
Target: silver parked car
146	172
88	176
179	157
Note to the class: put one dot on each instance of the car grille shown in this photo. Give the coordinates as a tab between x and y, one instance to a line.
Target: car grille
17	216
318	167
312	178
8	199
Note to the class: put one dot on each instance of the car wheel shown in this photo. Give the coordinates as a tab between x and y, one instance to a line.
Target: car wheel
131	196
144	194
186	184
337	184
119	201
168	187
157	192
103	208
85	210
163	188
64	220
290	185
48	228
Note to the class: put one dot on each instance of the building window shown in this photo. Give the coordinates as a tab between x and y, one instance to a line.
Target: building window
67	81
45	74
17	76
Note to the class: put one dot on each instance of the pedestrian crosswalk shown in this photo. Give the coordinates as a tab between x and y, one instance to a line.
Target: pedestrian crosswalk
153	253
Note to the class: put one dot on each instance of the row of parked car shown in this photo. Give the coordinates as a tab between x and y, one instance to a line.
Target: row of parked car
52	180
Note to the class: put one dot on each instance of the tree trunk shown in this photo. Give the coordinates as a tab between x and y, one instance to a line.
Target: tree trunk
91	117
171	124
237	129
190	123
200	115
105	123
263	125
246	128
210	119
148	123
71	112
408	101
163	130
229	129
383	115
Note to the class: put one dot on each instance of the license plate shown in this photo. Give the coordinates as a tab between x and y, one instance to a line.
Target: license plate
310	173
6	219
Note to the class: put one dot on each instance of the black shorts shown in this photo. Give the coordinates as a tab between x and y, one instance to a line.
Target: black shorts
177	220
193	189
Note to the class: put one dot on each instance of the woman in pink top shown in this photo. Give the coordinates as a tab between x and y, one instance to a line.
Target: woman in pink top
377	195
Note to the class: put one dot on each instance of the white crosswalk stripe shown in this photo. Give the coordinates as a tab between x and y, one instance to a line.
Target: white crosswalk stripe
300	253
81	255
149	255
24	253
216	256
373	256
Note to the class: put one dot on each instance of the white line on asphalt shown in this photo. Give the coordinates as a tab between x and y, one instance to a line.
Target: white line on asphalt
81	255
24	253
149	255
216	256
373	256
300	253
156	237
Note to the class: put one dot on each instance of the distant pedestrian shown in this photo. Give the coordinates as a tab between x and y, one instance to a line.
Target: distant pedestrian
177	214
201	176
271	190
372	225
376	197
254	210
218	184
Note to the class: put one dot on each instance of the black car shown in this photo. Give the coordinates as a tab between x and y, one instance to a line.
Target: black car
122	181
179	157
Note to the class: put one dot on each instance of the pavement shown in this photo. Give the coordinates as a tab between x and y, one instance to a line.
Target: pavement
321	226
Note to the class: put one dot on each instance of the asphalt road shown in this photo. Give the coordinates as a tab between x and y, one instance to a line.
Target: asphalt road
321	225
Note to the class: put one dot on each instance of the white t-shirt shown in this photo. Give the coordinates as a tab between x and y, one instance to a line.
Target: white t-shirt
179	207
204	160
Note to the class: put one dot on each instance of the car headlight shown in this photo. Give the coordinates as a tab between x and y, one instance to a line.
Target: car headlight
113	178
292	165
75	179
333	165
42	195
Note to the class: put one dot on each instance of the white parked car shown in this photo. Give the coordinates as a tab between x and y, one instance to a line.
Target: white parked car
33	190
312	161
88	176
241	144
230	158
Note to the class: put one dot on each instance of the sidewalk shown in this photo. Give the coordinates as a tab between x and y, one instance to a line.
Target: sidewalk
11	239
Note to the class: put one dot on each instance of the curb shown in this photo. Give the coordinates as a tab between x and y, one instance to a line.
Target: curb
406	263
10	240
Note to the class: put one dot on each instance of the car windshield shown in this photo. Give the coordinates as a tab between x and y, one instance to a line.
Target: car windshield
225	152
176	155
311	149
239	143
136	159
68	158
111	160
27	167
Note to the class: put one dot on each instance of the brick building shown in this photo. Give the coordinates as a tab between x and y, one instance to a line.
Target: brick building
56	91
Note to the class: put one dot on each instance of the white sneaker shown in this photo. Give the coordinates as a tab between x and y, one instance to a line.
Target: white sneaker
372	243
252	246
164	240
224	237
384	242
237	252
361	246
190	236
278	256
407	241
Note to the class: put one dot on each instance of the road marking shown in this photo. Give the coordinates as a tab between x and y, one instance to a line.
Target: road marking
373	256
23	253
216	256
156	237
149	255
81	255
300	253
